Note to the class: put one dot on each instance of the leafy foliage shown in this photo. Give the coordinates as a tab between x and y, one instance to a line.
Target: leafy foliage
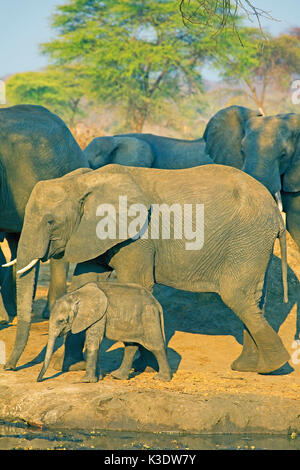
131	53
59	90
134	62
258	65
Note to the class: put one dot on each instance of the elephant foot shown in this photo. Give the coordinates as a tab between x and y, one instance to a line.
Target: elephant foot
89	379
270	364
245	364
272	353
9	366
166	377
119	374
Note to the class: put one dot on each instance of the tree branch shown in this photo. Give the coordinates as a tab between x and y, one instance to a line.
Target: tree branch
221	12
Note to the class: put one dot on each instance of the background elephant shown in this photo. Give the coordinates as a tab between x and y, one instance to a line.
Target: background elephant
34	145
242	222
119	312
147	150
267	148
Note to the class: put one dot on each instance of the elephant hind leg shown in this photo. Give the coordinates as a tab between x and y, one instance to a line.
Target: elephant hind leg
270	350
124	370
164	372
248	359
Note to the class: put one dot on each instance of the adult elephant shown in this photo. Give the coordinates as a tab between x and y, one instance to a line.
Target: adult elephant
146	150
119	218
267	148
35	145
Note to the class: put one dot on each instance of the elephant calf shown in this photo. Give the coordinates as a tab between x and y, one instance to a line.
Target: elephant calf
121	312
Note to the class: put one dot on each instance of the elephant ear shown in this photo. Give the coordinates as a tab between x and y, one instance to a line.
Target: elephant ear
291	177
91	305
224	133
114	209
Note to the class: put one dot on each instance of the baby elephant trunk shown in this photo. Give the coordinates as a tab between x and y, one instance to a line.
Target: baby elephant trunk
49	352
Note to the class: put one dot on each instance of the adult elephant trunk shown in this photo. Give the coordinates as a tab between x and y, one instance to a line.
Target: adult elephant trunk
30	251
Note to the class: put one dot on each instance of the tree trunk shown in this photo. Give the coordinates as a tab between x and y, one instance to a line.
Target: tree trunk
258	101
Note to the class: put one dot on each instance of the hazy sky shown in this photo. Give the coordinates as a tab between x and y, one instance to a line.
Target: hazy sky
25	23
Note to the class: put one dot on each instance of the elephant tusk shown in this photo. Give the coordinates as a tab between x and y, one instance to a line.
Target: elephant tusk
279	201
29	266
10	263
280	206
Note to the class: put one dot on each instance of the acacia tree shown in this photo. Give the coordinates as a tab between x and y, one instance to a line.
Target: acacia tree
58	90
258	66
131	54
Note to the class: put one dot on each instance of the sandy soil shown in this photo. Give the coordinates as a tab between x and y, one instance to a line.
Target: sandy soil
205	395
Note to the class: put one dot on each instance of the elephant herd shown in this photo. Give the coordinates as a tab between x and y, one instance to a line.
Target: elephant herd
52	197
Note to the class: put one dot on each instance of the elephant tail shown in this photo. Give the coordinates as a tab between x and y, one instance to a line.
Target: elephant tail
162	322
283	252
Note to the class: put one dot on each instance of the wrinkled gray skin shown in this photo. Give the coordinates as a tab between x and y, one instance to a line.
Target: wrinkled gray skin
119	312
267	148
34	145
146	150
122	150
242	222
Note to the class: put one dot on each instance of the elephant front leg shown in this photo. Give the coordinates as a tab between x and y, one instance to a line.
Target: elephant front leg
8	288
91	365
58	283
72	359
93	338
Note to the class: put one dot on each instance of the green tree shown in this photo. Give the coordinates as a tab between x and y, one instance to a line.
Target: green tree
133	54
59	90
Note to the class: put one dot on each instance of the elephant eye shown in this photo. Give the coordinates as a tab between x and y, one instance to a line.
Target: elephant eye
283	154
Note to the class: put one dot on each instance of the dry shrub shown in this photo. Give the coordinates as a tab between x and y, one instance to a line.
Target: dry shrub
85	134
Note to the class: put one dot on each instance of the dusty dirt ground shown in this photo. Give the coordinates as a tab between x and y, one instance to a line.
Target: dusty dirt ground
205	395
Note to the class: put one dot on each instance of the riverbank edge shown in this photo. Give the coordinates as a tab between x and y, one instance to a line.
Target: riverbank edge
115	408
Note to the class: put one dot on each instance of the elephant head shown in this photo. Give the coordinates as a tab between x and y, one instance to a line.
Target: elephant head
61	220
74	312
267	148
123	150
